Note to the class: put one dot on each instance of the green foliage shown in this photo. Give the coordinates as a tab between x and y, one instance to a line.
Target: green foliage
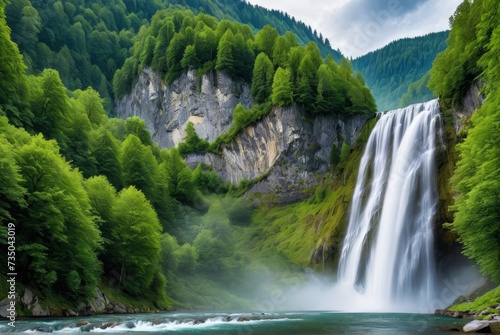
102	197
238	211
49	104
418	92
344	154
306	81
282	88
262	78
146	56
225	53
476	182
189	58
106	151
134	250
175	53
215	241
264	40
329	98
57	206
281	49
473	52
187	258
192	142
165	35
180	176
208	181
138	165
92	105
12	78
334	156
136	126
490	298
242	117
456	68
390	70
77	150
11	190
231	48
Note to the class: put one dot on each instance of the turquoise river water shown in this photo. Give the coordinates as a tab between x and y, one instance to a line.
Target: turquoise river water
303	323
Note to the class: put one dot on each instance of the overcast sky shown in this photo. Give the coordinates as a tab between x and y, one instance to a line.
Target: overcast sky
360	26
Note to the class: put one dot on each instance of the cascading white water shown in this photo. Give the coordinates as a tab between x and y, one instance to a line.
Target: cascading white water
388	254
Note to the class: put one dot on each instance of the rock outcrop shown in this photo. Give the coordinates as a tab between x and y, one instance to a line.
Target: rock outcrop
208	102
289	151
285	147
31	305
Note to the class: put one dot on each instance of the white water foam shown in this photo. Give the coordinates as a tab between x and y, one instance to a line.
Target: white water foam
387	261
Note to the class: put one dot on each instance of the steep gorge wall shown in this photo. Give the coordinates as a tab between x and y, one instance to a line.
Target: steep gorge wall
286	149
208	102
291	152
455	121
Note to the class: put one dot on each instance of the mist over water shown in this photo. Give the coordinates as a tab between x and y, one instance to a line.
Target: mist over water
388	254
388	261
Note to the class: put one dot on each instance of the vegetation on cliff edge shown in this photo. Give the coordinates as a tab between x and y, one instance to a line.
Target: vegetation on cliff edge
472	55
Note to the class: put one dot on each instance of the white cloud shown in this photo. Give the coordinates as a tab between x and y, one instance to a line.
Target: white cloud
359	26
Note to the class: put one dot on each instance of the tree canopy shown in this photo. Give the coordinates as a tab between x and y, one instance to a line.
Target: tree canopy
232	48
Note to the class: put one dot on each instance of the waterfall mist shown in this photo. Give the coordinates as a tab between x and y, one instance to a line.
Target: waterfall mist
388	254
387	263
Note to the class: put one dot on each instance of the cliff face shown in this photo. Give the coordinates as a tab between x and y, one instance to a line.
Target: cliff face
291	152
208	102
448	249
285	148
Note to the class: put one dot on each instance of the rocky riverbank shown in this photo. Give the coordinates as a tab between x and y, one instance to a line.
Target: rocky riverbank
29	304
485	321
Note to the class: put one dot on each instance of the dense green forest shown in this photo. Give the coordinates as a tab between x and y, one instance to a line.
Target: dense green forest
97	204
86	41
472	56
280	70
396	73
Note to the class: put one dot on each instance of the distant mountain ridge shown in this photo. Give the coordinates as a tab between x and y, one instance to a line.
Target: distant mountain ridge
391	70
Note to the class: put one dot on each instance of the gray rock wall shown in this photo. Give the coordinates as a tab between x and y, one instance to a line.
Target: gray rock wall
167	109
291	150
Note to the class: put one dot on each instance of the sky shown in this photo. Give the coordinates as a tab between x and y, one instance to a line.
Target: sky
357	27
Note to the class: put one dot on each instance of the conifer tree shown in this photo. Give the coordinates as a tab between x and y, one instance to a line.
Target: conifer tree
138	166
159	61
280	52
225	61
265	39
262	79
306	82
282	88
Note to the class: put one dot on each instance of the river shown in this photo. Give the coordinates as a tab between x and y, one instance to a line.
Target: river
301	323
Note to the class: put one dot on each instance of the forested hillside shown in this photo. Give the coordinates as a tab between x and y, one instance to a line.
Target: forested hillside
86	41
280	70
472	56
391	70
95	203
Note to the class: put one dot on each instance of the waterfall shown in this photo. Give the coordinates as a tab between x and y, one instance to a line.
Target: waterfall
387	254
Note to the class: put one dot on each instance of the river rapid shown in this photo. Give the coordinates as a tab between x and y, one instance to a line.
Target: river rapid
210	322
